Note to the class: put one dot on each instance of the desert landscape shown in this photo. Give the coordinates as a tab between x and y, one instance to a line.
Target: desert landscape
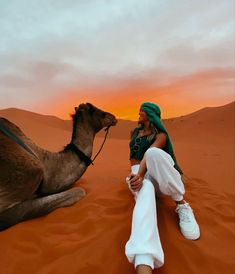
90	236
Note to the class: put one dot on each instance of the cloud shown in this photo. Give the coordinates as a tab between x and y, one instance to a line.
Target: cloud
53	47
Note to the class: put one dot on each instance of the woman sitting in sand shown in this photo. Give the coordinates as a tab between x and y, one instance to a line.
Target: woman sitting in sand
154	168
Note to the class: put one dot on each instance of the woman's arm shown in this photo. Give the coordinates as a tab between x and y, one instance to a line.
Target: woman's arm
136	181
160	141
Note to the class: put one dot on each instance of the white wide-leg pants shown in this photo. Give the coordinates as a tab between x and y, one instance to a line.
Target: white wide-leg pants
144	245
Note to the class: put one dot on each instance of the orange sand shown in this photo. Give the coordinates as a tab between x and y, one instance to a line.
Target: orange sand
90	236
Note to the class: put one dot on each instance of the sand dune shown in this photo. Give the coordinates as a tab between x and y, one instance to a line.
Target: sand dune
208	125
33	123
90	236
199	126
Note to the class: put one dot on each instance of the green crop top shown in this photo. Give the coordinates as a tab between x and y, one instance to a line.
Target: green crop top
139	145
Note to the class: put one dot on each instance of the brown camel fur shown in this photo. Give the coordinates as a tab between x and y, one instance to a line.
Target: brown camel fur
33	186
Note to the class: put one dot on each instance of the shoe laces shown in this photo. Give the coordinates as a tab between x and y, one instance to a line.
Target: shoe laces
184	213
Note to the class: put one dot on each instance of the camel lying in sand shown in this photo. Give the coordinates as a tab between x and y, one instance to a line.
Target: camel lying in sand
36	183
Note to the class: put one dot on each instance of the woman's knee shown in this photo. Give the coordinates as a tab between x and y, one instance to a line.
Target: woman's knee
153	152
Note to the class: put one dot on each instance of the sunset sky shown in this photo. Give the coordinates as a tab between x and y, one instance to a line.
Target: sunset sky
55	54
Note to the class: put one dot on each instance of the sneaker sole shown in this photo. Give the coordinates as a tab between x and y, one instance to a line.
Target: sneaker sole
195	236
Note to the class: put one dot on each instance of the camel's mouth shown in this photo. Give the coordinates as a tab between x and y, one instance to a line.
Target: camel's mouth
110	120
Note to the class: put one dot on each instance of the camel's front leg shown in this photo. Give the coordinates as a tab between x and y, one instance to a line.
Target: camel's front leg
40	206
58	180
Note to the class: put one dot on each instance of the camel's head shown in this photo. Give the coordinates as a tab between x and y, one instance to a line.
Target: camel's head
97	118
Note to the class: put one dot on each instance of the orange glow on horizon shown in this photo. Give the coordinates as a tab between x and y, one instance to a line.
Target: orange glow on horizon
128	111
183	96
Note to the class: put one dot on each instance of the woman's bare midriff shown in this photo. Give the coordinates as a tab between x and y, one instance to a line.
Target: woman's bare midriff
134	162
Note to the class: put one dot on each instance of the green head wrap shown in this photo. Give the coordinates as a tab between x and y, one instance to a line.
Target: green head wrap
153	113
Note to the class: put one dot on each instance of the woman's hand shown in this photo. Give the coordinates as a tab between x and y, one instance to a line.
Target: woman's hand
136	182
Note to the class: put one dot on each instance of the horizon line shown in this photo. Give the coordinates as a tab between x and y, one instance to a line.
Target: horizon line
120	118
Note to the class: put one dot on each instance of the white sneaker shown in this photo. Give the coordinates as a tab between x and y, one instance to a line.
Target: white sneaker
188	225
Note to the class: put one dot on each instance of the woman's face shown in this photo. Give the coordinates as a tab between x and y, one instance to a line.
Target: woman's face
142	116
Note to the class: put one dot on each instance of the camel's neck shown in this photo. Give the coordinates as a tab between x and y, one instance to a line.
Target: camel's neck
83	137
66	167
